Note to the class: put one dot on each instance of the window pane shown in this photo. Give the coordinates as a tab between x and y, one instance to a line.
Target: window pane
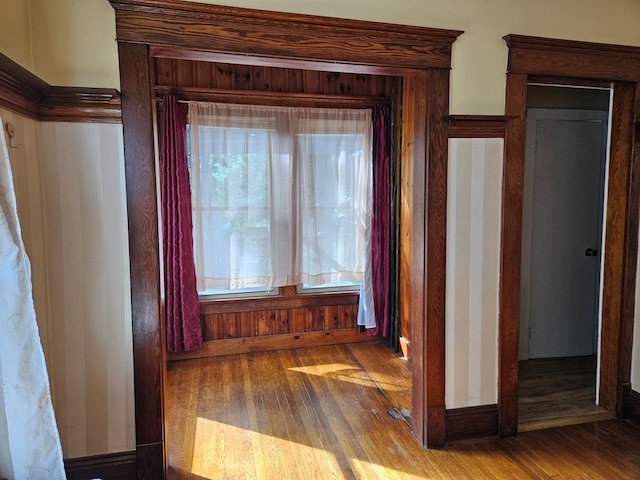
234	206
281	195
329	165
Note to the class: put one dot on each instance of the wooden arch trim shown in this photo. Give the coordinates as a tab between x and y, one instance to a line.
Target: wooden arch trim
177	29
578	63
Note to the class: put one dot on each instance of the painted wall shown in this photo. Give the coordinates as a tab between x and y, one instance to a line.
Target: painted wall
87	265
473	226
69	181
82	259
74	42
15	31
479	55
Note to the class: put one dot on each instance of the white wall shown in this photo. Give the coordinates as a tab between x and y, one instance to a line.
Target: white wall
473	226
69	180
71	42
88	281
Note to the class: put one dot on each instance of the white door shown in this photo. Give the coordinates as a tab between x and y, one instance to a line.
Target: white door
562	230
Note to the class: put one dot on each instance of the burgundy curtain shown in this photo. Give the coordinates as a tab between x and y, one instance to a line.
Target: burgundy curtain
184	329
381	224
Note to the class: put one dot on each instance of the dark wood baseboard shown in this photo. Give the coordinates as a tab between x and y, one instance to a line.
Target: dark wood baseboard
234	346
472	422
112	466
633	407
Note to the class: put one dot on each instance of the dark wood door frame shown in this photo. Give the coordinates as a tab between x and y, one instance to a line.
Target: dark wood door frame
147	29
575	63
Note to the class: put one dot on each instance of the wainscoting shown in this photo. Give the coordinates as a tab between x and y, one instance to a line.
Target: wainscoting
288	320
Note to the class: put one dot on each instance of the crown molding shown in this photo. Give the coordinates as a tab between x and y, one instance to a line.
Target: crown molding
23	92
178	28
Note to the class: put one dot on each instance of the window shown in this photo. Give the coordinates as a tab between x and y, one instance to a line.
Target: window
281	196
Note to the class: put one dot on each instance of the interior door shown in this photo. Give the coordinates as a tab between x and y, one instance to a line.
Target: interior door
562	230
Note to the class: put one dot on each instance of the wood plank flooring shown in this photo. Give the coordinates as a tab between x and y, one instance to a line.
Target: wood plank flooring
557	391
323	413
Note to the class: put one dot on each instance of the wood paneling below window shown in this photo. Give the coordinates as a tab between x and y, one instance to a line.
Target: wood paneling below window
220	326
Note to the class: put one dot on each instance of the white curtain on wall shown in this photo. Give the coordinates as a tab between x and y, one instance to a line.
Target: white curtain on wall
281	195
29	440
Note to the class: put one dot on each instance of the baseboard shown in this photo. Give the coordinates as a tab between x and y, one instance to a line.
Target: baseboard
235	346
112	466
472	422
633	407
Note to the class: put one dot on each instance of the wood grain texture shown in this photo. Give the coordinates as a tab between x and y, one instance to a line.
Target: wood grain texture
618	251
249	97
633	407
279	302
211	28
511	241
557	391
192	31
266	343
476	126
114	466
629	282
267	316
412	306
149	351
575	61
436	245
472	422
24	93
566	58
218	76
336	412
87	105
19	88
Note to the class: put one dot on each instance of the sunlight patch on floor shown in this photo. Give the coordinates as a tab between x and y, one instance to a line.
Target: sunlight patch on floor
216	454
348	373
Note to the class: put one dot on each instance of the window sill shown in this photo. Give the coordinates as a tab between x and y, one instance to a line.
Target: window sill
307	300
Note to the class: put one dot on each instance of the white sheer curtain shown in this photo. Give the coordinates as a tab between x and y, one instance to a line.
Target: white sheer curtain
29	441
282	196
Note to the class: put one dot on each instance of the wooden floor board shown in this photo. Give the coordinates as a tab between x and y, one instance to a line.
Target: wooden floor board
556	392
323	413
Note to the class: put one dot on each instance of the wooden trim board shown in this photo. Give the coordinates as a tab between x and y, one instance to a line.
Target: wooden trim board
24	93
573	61
113	466
147	29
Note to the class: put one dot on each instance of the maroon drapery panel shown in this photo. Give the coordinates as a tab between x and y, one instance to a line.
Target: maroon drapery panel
381	222
184	329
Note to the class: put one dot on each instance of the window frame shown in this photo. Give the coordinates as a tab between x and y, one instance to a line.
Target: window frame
343	287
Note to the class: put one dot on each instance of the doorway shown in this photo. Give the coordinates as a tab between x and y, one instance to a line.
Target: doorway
563	209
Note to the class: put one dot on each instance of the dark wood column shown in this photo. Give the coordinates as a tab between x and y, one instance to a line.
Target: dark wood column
144	246
620	249
511	240
426	107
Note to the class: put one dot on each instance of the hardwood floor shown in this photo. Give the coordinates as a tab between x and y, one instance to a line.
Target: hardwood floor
335	412
557	391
